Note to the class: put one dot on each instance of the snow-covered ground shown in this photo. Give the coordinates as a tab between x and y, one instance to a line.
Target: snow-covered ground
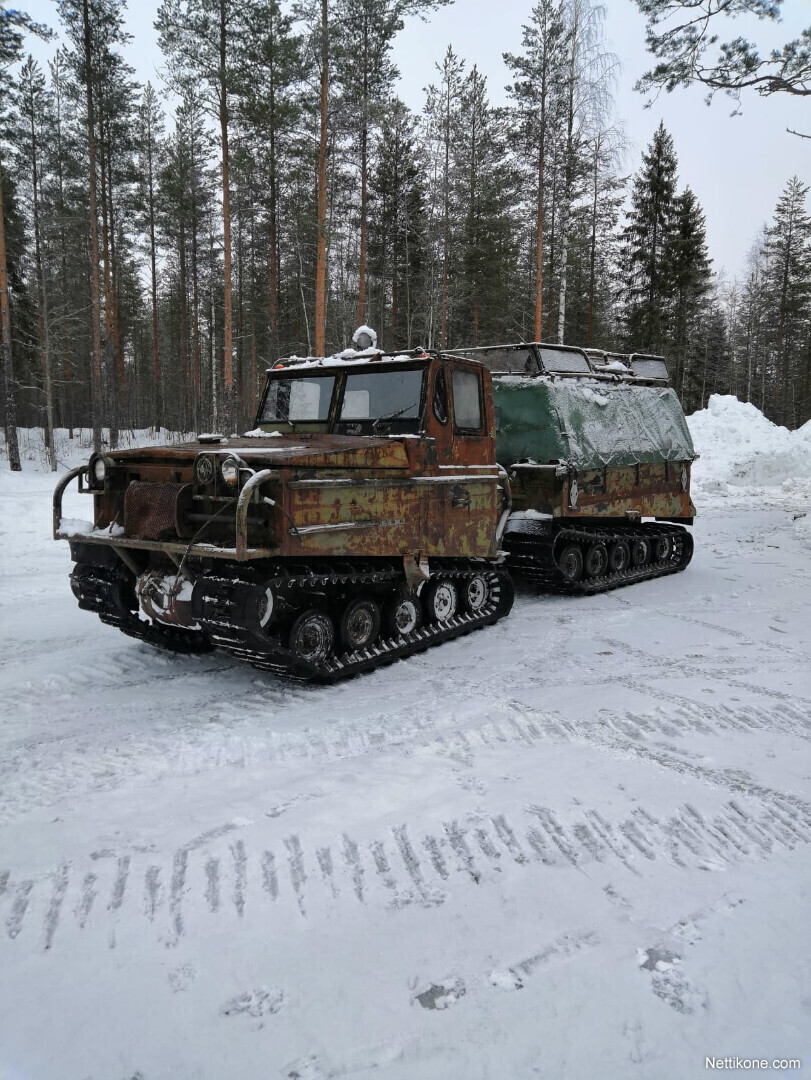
574	845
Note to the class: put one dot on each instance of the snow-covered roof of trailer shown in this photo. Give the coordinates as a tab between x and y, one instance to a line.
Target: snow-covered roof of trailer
587	422
546	358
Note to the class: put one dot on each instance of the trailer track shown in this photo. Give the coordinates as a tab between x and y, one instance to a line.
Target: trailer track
534	551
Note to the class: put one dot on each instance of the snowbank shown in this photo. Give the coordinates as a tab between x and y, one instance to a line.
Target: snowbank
740	449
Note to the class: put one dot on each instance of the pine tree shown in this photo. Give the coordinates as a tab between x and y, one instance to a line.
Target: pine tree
13	27
149	138
206	40
34	107
443	132
539	72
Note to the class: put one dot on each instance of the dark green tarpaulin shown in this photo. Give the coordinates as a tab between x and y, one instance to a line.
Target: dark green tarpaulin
588	423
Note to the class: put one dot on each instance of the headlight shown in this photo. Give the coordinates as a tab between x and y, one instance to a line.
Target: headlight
204	469
97	471
230	471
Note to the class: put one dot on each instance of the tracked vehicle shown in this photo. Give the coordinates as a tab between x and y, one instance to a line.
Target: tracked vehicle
593	443
367	514
360	521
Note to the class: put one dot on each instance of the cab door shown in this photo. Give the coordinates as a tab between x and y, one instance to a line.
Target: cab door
464	501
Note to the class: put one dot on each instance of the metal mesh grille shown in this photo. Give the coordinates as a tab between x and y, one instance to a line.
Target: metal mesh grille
150	510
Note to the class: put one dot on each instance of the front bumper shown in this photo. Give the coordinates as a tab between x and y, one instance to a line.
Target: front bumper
113	536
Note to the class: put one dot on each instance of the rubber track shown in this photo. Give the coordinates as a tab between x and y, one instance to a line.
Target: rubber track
533	557
269	656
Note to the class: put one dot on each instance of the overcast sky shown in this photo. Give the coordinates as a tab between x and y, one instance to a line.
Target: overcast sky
737	166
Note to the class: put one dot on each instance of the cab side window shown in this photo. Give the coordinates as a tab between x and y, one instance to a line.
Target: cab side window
467	400
440	404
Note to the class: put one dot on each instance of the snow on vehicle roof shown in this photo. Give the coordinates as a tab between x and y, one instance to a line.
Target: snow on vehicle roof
341	359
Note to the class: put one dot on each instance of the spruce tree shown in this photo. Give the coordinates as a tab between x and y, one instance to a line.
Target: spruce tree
647	246
788	285
686	288
398	234
488	196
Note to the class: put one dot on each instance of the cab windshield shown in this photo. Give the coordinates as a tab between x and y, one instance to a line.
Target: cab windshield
381	400
366	401
299	400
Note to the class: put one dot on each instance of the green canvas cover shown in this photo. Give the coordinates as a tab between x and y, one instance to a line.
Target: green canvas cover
587	423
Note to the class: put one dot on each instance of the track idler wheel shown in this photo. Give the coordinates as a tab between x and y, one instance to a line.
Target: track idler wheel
596	560
312	637
440	600
570	562
360	624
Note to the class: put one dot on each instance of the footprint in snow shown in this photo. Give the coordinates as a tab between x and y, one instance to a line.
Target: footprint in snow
257	1003
669	982
182	978
440	995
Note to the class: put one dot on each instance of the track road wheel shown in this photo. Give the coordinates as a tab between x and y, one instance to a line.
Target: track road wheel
570	562
662	548
312	636
475	594
596	560
401	615
640	551
360	624
440	600
619	557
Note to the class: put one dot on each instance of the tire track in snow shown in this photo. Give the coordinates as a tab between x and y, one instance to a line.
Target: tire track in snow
29	779
456	856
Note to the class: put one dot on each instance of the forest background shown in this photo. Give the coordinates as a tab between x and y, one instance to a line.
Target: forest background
161	245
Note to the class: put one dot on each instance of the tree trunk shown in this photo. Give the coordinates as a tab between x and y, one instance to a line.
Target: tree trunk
227	334
273	186
94	236
539	225
593	244
364	137
185	379
321	249
443	320
157	404
44	334
108	310
10	386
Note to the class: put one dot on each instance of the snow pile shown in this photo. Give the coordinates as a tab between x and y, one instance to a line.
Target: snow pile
740	449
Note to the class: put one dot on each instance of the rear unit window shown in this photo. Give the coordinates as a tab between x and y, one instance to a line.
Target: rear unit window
467	401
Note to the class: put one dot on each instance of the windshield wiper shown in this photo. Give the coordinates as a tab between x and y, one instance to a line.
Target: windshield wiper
285	417
394	415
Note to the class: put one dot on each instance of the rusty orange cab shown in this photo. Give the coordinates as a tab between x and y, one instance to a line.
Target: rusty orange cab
357	522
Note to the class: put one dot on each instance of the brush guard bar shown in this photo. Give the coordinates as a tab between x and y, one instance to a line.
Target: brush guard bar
241	551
